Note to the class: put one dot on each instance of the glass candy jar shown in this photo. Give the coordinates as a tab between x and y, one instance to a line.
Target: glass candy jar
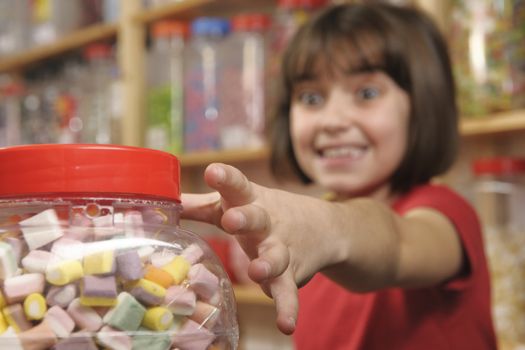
487	49
92	255
499	199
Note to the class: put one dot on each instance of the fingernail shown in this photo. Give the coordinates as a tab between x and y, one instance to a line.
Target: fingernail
266	268
291	320
220	173
241	220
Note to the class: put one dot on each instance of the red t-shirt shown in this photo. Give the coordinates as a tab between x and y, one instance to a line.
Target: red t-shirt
455	315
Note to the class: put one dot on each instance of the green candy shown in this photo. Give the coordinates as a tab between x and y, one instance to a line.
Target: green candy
127	315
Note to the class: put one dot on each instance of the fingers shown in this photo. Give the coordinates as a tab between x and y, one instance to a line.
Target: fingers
284	293
246	219
272	261
230	182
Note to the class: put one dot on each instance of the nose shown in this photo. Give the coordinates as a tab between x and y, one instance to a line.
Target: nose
338	112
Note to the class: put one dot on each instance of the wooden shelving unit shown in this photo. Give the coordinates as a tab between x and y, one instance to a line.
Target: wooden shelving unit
76	40
130	33
496	123
231	156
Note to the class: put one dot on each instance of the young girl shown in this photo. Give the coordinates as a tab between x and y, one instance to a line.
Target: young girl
392	261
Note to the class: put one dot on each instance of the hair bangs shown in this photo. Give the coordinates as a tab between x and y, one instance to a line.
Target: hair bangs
334	52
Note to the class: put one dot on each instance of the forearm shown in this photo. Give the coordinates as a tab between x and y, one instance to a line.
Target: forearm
368	248
377	248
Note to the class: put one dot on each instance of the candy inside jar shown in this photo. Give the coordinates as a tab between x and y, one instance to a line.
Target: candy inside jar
92	265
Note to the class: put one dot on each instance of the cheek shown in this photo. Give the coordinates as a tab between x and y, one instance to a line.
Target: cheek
299	132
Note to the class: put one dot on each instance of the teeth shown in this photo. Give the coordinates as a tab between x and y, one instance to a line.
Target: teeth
343	152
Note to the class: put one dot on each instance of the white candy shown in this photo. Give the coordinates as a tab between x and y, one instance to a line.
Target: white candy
8	266
159	259
41	229
18	287
9	340
36	261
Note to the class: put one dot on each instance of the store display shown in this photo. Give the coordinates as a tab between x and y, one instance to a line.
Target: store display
288	16
202	110
500	198
52	19
94	256
165	75
15	26
100	124
243	116
488	54
11	95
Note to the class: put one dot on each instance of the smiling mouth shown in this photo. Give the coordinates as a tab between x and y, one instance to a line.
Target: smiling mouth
342	152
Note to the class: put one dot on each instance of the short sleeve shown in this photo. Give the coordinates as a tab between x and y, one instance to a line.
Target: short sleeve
463	217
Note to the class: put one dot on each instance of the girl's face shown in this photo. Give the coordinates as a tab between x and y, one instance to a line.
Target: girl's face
349	133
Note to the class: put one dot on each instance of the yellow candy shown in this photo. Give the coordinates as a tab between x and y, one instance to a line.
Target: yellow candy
64	272
97	301
3	323
157	319
99	263
2	301
35	306
178	269
150	287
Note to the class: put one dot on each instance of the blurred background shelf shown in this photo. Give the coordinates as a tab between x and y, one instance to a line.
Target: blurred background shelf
192	9
251	295
232	156
496	123
76	40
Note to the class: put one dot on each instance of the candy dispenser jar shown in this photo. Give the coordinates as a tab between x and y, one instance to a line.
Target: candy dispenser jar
92	255
486	40
499	199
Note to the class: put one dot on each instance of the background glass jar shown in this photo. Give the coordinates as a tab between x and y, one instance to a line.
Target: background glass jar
486	41
500	199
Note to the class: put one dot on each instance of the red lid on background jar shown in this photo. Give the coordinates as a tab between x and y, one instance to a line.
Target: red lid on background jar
97	50
13	89
88	169
306	4
251	22
499	166
167	28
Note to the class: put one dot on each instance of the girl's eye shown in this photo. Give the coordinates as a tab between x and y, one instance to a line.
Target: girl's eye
368	93
310	98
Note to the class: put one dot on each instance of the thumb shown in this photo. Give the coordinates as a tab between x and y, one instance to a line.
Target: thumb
201	207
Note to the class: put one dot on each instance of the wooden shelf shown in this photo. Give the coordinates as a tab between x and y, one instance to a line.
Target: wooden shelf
193	8
73	41
229	156
182	10
251	295
497	123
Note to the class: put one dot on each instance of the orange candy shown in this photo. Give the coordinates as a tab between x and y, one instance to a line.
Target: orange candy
158	276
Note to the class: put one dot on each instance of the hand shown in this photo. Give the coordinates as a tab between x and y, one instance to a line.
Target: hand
272	226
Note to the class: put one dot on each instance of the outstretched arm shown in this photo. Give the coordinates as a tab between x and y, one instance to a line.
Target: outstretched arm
361	244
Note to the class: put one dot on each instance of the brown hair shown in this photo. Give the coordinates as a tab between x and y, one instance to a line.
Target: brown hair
400	41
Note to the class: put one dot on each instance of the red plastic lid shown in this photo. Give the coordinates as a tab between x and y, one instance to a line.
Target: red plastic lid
168	28
304	4
499	166
251	22
97	50
88	169
13	89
